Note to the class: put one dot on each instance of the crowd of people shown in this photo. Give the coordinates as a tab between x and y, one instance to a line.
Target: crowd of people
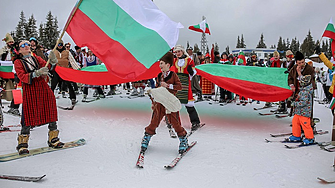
178	74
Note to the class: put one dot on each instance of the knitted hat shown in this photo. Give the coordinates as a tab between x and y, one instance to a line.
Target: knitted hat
299	56
305	80
168	58
289	52
8	38
276	53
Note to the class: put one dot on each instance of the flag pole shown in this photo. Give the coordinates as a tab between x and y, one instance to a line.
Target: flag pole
65	27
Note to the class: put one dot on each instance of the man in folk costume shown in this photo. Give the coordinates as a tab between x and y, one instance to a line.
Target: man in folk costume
7	57
185	69
39	103
208	88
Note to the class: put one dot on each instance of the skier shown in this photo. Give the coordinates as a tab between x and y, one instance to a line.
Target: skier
169	80
303	111
185	69
39	103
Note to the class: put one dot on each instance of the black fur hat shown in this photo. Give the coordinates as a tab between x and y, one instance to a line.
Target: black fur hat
168	58
299	56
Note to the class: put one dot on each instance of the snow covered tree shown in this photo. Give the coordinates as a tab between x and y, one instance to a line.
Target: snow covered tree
238	45
20	28
51	32
216	47
308	46
31	29
227	50
243	45
294	45
280	45
324	47
261	43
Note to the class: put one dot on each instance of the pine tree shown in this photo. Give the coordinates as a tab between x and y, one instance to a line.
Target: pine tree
31	29
238	45
288	44
324	47
242	42
41	37
294	45
196	48
329	53
308	46
280	45
261	43
187	45
227	50
20	28
51	32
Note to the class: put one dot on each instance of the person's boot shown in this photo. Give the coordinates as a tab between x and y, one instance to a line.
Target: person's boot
134	93
22	146
73	102
141	94
53	140
183	145
84	98
145	141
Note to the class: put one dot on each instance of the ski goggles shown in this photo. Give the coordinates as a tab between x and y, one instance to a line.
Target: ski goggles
24	45
290	56
60	44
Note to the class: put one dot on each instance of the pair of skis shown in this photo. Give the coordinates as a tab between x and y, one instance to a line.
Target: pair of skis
140	160
22	178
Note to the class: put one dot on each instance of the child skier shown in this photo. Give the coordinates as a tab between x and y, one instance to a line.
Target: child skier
302	112
171	82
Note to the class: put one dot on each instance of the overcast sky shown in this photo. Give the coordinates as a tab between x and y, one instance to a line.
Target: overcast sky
226	18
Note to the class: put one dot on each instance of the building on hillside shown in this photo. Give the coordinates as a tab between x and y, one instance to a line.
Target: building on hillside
261	53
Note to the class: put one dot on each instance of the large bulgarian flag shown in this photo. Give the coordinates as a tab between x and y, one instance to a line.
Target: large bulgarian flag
258	83
202	27
330	33
128	36
6	70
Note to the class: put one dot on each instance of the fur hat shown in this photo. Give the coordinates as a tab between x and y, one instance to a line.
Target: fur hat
276	53
179	47
299	56
289	52
168	58
305	80
216	53
8	38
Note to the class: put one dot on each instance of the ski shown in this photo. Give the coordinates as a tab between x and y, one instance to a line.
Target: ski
22	178
89	100
15	155
299	146
180	156
5	131
140	160
286	140
281	116
192	131
329	148
16	115
66	108
261	108
12	125
266	114
325	181
318	132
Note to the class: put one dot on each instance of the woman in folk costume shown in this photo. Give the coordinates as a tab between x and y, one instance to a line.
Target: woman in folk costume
208	88
39	103
184	66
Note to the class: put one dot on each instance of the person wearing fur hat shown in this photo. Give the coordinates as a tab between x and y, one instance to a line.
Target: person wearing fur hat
171	82
303	107
301	68
7	57
36	48
185	69
39	103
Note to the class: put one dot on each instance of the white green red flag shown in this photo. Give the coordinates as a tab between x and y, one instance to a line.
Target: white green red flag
202	27
330	33
6	70
129	36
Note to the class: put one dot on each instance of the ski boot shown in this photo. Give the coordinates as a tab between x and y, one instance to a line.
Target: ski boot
84	98
101	96
63	94
95	94
73	102
22	146
145	141
4	128
307	141
14	111
111	92
195	126
134	93
294	139
183	145
53	140
141	94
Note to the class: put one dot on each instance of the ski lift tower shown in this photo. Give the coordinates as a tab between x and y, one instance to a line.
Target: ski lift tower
203	40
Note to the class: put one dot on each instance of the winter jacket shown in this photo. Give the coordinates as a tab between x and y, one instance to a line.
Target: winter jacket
330	66
303	103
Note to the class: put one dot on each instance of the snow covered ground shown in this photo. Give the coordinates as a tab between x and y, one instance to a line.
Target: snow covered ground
231	151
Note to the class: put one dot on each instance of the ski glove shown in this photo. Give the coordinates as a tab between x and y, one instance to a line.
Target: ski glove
53	58
41	71
190	70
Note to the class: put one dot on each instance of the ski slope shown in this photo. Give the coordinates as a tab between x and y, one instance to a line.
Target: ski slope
231	150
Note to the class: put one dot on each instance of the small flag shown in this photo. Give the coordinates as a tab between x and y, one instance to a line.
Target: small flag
202	27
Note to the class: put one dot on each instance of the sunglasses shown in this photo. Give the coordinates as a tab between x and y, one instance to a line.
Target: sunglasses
67	46
60	44
24	45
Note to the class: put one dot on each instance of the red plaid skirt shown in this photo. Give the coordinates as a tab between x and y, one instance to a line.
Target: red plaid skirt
39	103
